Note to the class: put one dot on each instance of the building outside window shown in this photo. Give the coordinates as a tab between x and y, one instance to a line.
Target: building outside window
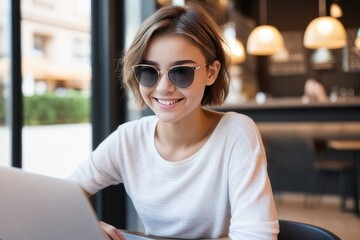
40	43
81	50
56	135
4	85
56	86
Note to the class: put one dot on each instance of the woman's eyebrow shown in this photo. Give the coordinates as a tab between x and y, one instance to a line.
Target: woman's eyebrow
149	62
180	62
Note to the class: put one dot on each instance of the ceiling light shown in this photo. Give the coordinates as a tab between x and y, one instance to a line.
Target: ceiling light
324	31
264	39
327	32
335	10
357	40
233	47
235	50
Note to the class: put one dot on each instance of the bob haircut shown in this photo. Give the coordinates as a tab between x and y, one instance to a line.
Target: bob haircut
194	23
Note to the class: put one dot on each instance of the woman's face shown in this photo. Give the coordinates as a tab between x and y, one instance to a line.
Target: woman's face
169	102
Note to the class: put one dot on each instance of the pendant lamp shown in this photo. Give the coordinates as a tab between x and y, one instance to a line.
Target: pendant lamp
335	10
324	31
234	47
357	40
264	39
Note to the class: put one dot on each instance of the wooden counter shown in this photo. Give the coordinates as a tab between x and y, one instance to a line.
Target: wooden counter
293	109
326	130
295	102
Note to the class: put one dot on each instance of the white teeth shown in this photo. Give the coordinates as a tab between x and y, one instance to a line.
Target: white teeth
167	102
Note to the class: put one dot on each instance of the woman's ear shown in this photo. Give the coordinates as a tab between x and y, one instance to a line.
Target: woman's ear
213	72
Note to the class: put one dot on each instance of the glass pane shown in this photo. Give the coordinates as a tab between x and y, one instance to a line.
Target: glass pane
4	84
56	85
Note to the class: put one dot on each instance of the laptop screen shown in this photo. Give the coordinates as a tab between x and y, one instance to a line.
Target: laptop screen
37	207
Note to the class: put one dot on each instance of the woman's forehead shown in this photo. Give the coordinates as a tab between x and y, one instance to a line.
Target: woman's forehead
173	47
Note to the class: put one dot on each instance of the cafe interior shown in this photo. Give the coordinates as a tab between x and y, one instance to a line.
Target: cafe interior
311	137
295	70
307	137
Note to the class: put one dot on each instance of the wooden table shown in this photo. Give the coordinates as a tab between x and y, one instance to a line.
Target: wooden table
324	130
353	146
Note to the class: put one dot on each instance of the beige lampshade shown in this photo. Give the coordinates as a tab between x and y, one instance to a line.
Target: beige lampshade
335	10
265	40
233	47
327	32
357	40
236	50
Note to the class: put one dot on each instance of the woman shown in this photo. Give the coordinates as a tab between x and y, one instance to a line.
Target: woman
190	172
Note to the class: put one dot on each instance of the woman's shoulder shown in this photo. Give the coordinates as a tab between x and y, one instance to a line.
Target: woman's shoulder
237	119
241	129
237	125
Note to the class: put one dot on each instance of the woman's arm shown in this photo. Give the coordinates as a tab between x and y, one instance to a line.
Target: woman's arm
253	211
110	232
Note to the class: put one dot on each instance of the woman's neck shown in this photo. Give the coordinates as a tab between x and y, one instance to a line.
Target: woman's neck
179	140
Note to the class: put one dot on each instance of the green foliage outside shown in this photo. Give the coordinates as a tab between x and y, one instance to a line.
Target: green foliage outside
73	107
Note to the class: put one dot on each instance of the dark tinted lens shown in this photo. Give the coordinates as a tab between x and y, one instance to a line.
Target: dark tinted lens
147	76
181	76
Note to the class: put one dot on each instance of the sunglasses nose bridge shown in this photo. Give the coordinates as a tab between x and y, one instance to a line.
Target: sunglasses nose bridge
161	75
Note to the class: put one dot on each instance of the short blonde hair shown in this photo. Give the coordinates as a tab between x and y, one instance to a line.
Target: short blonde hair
193	22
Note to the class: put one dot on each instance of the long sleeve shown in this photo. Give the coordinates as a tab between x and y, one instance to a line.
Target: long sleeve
253	211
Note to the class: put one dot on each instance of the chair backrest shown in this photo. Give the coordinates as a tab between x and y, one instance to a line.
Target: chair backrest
320	145
290	230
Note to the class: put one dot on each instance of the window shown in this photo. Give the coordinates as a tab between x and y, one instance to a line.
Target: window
44	4
5	137
81	49
56	135
58	60
40	43
82	7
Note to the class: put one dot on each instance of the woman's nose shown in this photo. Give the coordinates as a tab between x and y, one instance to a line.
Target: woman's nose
164	84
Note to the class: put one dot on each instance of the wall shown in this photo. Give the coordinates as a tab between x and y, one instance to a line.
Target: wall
291	18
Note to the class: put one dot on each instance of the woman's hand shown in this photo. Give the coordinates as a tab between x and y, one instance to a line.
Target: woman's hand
110	232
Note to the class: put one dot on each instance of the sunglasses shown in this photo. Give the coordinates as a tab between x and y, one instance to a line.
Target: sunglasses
180	76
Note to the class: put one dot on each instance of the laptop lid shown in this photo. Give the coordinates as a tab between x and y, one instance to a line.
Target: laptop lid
37	207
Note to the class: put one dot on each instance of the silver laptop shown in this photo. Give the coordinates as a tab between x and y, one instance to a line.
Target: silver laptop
37	207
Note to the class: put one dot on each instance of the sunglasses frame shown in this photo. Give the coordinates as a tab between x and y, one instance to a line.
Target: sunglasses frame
161	73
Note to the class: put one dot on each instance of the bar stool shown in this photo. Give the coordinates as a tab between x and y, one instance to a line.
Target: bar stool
324	168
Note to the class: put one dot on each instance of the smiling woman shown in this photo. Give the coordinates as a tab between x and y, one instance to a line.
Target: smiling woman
177	66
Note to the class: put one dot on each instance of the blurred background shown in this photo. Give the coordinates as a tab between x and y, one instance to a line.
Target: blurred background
299	79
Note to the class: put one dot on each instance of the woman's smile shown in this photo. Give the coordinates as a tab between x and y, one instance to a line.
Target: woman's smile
168	102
